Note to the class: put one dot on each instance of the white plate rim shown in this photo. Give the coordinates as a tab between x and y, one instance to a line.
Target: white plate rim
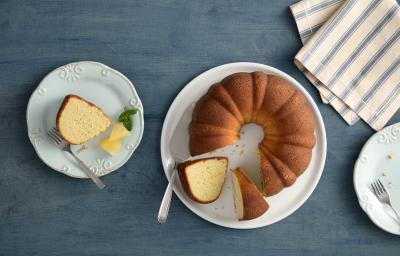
319	120
357	189
139	105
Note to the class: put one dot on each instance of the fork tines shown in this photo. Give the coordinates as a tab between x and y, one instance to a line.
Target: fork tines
378	188
55	135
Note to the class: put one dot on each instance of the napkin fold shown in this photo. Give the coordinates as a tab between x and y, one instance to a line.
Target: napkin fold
351	53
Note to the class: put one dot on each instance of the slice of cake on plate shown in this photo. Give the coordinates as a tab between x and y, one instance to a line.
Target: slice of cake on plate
249	202
79	120
203	179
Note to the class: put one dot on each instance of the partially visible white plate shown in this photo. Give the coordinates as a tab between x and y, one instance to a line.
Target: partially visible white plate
221	212
374	163
99	84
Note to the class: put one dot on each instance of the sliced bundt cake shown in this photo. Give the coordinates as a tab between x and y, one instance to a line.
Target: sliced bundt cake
249	203
79	120
203	179
269	101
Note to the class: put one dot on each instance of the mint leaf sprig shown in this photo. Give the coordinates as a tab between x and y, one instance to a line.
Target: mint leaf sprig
125	118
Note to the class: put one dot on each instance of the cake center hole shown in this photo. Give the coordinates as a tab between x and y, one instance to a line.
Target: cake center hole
252	133
250	136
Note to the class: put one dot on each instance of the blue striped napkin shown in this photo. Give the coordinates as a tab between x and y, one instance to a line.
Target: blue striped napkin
351	54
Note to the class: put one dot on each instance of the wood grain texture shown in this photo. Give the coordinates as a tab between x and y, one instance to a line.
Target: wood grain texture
160	45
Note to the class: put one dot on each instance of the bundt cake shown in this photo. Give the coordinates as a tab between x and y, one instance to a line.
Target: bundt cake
249	203
269	101
203	179
79	120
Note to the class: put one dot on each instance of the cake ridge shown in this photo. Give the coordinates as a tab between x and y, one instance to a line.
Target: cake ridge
285	103
293	154
208	146
287	176
289	109
300	125
225	83
214	88
203	104
296	141
224	107
231	132
257	104
271	182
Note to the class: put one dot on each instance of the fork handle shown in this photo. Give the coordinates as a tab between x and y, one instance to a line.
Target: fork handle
89	172
395	211
166	201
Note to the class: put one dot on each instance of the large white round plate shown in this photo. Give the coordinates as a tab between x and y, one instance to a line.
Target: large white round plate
99	84
221	212
373	163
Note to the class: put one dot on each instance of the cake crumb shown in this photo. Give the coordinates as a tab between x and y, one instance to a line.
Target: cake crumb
385	173
391	156
84	147
241	152
236	145
390	184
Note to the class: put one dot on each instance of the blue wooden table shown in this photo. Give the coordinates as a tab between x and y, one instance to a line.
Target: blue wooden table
160	46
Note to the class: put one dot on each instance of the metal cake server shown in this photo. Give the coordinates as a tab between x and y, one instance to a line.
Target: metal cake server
179	147
175	142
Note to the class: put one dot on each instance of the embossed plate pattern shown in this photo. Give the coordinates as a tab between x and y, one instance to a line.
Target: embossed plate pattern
99	84
380	158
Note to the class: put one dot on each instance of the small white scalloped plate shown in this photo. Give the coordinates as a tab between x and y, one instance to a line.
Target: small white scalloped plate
99	84
371	164
222	212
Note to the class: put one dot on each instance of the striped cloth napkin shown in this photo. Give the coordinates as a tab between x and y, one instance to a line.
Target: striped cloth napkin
351	53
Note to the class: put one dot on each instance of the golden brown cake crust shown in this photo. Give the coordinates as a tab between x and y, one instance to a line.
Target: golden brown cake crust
64	104
184	180
254	205
269	101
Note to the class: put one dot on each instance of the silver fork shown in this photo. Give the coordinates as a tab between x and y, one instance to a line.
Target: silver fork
383	195
65	146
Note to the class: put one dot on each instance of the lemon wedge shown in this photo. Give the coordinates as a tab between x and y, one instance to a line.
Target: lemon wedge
112	144
111	147
118	132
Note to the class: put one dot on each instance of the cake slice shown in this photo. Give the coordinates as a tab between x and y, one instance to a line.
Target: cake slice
79	120
203	179
249	203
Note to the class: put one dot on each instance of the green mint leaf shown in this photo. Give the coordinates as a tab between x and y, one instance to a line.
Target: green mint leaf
122	119
128	124
126	114
125	118
130	112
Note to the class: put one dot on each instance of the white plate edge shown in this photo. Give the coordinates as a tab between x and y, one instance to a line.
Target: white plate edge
250	224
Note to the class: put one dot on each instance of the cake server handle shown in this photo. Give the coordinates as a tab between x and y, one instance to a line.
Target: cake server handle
166	201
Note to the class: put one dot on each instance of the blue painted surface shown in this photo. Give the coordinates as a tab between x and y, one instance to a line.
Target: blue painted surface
160	45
